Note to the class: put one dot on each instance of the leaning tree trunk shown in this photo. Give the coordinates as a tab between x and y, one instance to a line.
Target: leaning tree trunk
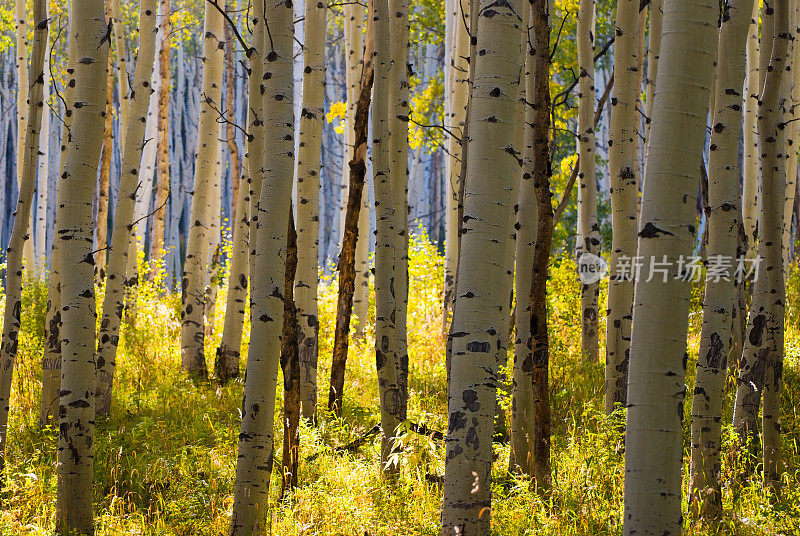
256	449
23	86
51	362
623	171
76	429
458	109
19	234
526	226
656	390
723	230
195	268
750	134
226	365
162	158
386	362
480	315
762	356
588	241
539	341
122	235
309	157
346	267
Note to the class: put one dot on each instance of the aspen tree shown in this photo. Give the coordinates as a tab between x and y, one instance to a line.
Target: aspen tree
43	175
653	47
76	407
791	89
398	171
256	449
750	133
762	356
539	342
386	363
623	174
723	225
656	390
290	365
122	69
230	124
478	317
208	153
51	362
14	257
23	86
460	69
101	217
162	159
227	360
588	241
122	235
309	157
526	226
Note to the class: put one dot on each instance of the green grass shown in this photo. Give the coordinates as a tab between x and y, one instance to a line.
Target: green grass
165	459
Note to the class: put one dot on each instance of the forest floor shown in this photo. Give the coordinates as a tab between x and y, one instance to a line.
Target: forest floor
165	459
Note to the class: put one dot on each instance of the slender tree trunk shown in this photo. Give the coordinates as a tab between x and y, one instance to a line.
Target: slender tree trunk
522	423
309	157
23	87
76	428
346	265
230	124
791	88
539	339
256	449
290	364
386	362
762	357
723	230
122	69
42	177
19	233
399	69
227	361
123	236
653	50
460	69
162	159
656	389
480	314
51	362
101	218
195	269
623	172
750	134
588	241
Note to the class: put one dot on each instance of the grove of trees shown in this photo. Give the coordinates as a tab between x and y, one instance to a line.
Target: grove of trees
216	210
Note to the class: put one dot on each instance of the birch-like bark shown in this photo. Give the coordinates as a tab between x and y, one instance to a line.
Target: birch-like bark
227	360
51	362
23	87
101	217
162	157
122	69
459	69
195	268
588	241
723	230
526	227
480	314
398	171
76	408
290	365
42	176
14	257
656	390
623	174
390	393
762	356
750	134
791	91
123	236
653	48
256	449
309	157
